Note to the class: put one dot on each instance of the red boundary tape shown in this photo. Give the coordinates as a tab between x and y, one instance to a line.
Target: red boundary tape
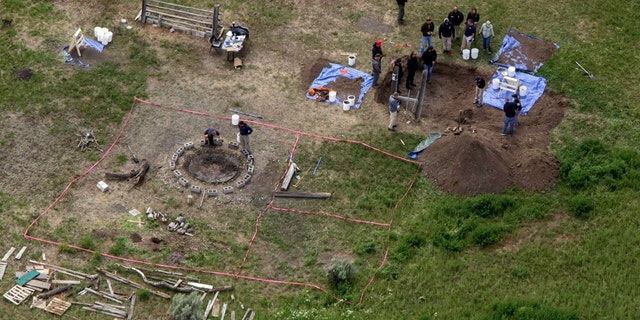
238	274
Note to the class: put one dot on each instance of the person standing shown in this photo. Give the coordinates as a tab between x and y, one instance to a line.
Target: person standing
398	63
456	18
401	4
446	32
412	67
427	29
516	100
480	85
245	131
377	49
486	30
211	134
469	35
394	106
474	16
509	109
429	60
376	68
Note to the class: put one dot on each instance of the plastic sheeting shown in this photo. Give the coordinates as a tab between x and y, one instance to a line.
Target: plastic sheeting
433	136
94	44
510	43
535	88
331	74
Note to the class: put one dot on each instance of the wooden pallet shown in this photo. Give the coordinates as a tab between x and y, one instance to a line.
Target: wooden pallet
18	294
57	306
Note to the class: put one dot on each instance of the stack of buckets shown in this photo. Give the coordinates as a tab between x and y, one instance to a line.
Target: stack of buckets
103	35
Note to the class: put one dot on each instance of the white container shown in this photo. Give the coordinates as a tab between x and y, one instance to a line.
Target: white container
103	186
235	119
109	36
96	31
238	137
352	100
495	83
352	61
332	96
474	53
511	72
346	105
465	54
523	91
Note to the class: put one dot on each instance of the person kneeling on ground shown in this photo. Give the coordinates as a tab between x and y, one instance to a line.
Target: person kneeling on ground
211	134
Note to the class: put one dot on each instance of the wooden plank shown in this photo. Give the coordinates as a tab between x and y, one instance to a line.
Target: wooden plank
3	267
18	294
246	314
233	315
131	307
288	177
253	314
308	195
224	310
66	281
41	276
57	306
27	277
150	3
21	252
39	284
216	309
8	254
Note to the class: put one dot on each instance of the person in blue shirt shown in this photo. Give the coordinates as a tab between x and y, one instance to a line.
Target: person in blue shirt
394	106
211	134
469	35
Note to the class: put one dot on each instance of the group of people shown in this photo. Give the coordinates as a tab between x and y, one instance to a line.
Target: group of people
244	131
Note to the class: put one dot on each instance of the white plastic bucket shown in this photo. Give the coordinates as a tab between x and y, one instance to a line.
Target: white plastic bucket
235	119
352	100
465	54
332	96
523	91
495	83
346	105
352	61
96	31
511	71
109	36
238	137
474	53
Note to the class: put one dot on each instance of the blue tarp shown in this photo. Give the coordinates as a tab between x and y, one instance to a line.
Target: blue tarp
331	74
509	50
94	44
535	88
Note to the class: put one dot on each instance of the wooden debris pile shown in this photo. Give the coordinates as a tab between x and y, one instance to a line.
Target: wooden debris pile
87	141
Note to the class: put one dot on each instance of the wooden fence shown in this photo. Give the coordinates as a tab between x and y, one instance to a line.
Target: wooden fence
193	21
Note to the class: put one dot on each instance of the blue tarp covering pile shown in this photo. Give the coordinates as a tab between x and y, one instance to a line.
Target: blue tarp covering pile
330	74
535	87
431	138
510	51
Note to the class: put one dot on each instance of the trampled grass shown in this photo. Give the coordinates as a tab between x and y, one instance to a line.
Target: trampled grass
568	253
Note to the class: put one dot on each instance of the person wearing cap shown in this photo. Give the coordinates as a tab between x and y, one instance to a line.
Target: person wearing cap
401	10
376	67
486	30
429	60
427	29
446	33
377	49
394	106
456	18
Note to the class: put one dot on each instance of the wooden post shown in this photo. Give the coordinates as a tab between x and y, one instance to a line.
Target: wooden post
423	85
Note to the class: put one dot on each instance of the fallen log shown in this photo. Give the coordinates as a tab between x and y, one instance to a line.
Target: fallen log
54	292
309	195
136	175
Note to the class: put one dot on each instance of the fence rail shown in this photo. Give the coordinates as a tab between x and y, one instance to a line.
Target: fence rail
194	21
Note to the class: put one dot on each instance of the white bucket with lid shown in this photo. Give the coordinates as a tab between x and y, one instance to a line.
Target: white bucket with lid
332	96
495	83
352	100
346	105
474	53
523	91
465	54
511	71
352	61
235	119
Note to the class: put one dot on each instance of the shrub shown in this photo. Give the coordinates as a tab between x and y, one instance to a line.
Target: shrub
580	207
341	274
87	243
186	307
144	294
365	247
486	234
489	205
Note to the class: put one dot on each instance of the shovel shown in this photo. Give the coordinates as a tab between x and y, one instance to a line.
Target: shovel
585	71
133	155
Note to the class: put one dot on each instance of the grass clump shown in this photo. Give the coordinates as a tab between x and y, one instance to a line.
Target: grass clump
186	307
341	275
581	207
525	310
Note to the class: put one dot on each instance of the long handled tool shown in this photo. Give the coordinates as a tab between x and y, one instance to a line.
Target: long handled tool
246	114
585	71
133	155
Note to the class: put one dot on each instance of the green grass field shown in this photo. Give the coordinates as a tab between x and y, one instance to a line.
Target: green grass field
568	253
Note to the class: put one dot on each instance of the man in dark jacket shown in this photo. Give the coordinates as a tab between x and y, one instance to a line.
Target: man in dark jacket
446	32
480	84
510	111
456	18
427	29
376	68
429	60
412	66
245	131
211	134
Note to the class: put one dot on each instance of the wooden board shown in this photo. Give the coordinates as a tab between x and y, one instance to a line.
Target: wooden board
39	284
20	253
8	254
27	277
3	267
18	294
57	306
